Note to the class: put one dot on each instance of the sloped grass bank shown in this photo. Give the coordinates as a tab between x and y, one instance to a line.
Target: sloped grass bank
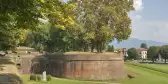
157	67
145	76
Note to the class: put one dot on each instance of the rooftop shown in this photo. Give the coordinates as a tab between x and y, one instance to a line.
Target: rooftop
123	50
141	49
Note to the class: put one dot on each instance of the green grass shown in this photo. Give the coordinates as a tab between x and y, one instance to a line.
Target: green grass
58	81
157	67
145	75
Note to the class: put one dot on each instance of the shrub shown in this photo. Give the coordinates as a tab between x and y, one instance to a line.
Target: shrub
49	77
39	78
33	77
14	81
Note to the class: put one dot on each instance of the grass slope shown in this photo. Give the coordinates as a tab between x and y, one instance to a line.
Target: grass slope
157	67
146	76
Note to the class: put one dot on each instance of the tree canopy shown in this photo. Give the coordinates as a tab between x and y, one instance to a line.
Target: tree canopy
110	48
153	53
53	25
103	20
17	16
164	52
144	45
132	53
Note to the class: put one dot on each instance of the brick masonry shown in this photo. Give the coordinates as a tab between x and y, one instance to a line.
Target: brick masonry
76	66
88	67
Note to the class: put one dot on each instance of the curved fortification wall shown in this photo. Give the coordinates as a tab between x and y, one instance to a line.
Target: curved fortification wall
88	66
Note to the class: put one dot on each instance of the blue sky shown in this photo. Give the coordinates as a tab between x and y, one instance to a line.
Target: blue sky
150	20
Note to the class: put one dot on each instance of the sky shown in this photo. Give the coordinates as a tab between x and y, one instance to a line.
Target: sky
150	20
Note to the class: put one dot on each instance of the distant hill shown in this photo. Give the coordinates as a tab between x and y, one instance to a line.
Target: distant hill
132	42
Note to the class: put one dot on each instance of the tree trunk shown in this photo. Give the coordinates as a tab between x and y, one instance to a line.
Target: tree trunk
101	46
153	60
92	46
85	48
165	61
92	49
100	49
97	46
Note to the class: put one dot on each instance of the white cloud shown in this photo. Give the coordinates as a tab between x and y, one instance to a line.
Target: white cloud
156	30
138	5
150	30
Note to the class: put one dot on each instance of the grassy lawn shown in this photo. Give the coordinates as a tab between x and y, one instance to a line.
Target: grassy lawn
146	76
58	81
157	67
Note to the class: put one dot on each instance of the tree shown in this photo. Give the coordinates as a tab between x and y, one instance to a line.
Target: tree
17	16
38	39
132	53
164	52
153	53
110	48
144	45
103	20
51	39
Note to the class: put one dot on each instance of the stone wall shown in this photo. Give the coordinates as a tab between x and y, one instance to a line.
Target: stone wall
25	65
88	66
94	70
30	65
76	66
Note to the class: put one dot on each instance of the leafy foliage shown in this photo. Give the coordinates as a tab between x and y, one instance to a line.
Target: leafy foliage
18	15
164	52
153	53
39	77
110	48
49	77
33	77
103	20
144	45
132	53
50	39
53	25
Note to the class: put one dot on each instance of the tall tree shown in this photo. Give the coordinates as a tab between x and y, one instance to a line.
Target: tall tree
18	15
153	53
24	14
103	20
164	52
132	53
144	45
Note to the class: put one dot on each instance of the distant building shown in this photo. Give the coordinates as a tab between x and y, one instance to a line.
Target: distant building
124	52
142	53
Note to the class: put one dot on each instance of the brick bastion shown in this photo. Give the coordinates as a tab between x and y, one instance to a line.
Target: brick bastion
86	66
73	65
